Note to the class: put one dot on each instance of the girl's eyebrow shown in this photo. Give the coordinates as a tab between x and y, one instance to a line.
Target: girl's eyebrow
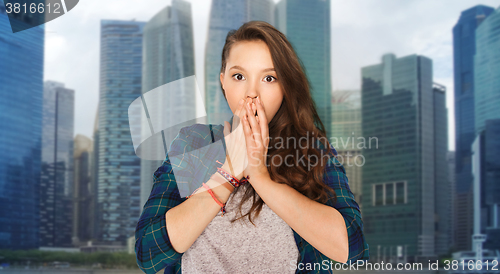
240	68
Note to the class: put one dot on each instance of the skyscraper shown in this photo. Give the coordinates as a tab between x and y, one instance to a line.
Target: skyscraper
400	115
95	210
464	48
487	125
82	201
56	183
450	159
486	176
21	98
118	194
306	24
225	16
487	71
345	133
168	56
443	190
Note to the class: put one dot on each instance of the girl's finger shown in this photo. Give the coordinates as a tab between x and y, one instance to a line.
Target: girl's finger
251	119
254	108
264	128
248	132
254	125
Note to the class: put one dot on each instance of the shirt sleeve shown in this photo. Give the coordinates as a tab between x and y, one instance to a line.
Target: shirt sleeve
336	179
152	246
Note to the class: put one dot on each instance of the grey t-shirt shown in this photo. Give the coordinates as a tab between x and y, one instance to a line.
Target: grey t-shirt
240	247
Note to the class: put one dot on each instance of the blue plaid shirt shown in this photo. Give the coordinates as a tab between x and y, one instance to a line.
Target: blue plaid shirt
153	248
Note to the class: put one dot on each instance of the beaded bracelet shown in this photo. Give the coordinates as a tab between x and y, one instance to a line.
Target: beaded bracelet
223	205
222	181
231	179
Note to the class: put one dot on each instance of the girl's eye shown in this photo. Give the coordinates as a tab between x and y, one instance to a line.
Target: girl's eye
238	76
270	78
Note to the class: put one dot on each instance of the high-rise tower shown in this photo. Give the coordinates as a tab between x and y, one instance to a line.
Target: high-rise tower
21	99
118	182
464	48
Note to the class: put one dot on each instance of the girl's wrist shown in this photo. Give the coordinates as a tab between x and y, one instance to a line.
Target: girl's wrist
222	193
222	181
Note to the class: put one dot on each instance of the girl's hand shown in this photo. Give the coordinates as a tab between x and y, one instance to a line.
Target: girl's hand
257	140
236	153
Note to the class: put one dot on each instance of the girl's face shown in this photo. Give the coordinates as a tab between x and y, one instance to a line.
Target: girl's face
250	74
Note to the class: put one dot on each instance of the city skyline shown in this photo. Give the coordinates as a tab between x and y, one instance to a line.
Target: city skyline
72	41
401	101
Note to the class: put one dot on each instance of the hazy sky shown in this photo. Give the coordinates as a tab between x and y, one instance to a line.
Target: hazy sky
362	31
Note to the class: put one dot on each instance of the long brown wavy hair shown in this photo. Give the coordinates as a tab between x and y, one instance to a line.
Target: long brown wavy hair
296	116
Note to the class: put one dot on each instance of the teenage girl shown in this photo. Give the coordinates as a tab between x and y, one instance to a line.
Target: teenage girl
279	171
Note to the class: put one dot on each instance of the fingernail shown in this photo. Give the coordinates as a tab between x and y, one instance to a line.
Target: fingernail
258	100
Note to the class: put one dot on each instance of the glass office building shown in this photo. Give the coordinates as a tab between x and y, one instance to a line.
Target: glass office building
306	25
487	71
486	158
464	48
450	159
225	16
56	183
345	136
442	185
118	182
400	113
168	56
21	99
82	212
95	209
487	124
